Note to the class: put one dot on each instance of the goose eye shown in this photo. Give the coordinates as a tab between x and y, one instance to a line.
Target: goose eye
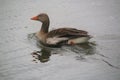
41	16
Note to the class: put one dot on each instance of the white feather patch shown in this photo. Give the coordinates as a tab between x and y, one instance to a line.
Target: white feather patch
78	40
55	40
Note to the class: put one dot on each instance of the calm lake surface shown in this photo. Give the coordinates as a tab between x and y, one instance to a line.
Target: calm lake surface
97	60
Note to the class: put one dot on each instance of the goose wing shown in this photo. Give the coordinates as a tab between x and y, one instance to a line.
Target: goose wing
63	34
67	32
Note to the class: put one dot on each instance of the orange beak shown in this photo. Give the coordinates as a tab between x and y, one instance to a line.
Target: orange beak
35	18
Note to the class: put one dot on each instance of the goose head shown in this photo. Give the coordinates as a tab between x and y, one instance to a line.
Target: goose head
43	17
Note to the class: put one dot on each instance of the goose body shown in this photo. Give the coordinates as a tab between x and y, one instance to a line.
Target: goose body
59	36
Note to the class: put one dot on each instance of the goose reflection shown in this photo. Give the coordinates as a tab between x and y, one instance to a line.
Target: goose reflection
86	48
81	49
42	56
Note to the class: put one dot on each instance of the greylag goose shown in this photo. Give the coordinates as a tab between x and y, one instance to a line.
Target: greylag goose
61	36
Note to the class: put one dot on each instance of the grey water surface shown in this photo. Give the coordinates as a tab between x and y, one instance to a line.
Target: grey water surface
97	60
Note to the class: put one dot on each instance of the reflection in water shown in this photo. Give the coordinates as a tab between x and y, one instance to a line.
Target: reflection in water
86	48
81	49
42	56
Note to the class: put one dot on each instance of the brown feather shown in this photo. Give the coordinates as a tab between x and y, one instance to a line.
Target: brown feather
67	32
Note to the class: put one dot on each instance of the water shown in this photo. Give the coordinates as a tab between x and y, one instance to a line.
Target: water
97	60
